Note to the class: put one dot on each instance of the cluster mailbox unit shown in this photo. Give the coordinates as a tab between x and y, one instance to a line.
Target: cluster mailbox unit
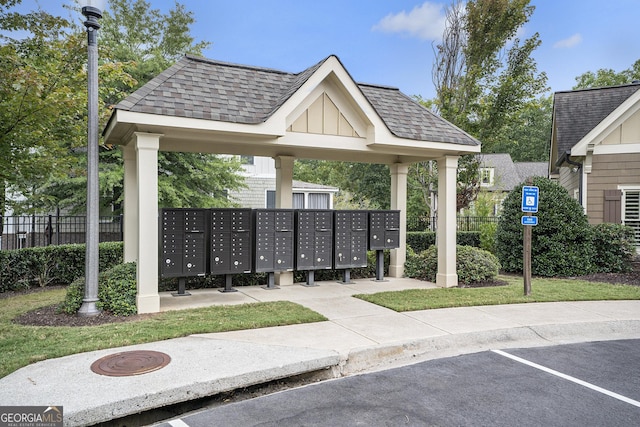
230	248
227	241
350	241
274	244
384	233
184	247
314	241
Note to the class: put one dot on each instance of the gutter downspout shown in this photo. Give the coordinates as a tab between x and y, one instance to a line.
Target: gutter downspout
580	178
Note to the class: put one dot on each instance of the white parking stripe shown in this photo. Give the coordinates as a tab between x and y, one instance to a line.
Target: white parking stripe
178	423
569	378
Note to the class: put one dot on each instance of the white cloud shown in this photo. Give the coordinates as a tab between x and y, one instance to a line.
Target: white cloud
569	42
425	22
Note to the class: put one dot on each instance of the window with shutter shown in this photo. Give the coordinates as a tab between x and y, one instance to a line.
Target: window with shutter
631	210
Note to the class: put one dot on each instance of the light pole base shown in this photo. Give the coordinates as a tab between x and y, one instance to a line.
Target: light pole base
88	308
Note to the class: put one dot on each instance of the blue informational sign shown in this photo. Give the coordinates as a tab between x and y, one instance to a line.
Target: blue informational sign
530	199
529	220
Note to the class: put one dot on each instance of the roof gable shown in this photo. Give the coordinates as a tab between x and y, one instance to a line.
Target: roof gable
199	88
578	112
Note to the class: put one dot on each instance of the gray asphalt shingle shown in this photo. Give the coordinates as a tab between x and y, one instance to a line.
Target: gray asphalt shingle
200	88
577	112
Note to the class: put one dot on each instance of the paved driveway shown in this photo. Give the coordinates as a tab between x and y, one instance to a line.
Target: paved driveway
592	384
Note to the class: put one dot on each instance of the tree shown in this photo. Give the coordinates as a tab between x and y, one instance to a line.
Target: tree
608	77
40	81
483	74
140	42
561	242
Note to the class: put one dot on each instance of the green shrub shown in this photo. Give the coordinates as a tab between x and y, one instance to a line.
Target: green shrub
468	238
614	246
51	265
420	240
473	264
561	243
116	291
488	236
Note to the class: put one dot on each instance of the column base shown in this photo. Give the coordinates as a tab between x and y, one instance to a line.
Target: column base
396	270
284	278
148	303
446	280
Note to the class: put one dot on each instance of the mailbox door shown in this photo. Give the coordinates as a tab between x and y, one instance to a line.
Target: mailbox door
194	254
219	252
358	243
264	251
284	249
323	249
376	230
240	255
305	249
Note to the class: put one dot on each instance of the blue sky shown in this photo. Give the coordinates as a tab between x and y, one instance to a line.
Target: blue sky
390	42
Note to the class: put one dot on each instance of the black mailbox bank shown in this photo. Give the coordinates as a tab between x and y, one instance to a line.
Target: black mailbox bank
350	235
230	243
314	241
274	246
384	233
184	247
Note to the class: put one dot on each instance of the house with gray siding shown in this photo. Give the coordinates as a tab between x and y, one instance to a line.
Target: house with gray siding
595	151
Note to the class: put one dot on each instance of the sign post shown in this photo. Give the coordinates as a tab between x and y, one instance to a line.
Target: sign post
530	196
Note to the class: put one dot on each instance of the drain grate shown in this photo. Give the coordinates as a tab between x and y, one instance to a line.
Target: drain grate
130	363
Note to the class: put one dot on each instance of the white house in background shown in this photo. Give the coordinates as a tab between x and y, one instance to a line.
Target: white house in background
260	178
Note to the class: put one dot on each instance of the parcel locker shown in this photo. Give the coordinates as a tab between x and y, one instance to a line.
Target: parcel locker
350	234
273	240
314	239
230	241
384	230
183	246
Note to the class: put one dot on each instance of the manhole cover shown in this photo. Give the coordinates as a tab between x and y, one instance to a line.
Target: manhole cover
130	363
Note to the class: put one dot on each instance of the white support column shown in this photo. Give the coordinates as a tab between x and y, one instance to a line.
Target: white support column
446	232
147	145
284	199
399	202
130	216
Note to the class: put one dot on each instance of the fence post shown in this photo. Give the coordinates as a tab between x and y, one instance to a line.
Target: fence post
49	231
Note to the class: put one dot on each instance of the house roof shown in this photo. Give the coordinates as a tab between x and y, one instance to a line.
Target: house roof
206	89
507	174
577	112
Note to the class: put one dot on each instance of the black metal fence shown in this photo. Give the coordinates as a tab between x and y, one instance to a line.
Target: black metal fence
18	232
464	223
43	230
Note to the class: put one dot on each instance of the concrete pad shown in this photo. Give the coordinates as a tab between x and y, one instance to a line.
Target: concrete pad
368	286
461	320
199	367
621	310
389	328
542	313
202	298
296	292
321	335
340	308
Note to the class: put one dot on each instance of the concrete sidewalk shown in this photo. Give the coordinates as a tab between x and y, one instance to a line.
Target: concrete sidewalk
358	337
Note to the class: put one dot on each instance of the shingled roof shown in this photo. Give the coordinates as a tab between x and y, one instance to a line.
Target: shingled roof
577	112
212	90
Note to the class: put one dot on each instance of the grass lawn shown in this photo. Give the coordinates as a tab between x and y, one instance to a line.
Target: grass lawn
21	345
542	290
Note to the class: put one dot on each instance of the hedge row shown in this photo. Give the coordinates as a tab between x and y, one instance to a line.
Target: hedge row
51	265
422	240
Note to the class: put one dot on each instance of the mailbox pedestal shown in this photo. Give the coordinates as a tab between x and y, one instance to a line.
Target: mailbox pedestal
384	233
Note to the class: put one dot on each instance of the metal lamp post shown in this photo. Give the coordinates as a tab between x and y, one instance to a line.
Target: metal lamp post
92	10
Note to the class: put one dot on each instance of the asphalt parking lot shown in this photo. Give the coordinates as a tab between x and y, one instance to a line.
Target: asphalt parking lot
590	384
